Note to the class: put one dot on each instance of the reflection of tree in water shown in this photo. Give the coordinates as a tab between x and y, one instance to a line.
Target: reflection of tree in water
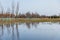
12	31
1	33
58	22
12	25
8	28
28	25
20	23
33	24
2	29
17	32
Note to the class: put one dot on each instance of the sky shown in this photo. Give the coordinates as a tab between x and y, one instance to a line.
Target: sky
43	7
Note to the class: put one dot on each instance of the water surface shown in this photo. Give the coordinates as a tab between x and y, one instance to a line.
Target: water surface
30	31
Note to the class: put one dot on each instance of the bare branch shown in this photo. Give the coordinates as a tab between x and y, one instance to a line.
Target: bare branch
1	8
13	7
17	8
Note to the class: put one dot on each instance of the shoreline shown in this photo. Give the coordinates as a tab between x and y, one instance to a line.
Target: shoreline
17	20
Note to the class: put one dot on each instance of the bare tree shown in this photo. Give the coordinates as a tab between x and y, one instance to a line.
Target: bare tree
17	9
8	12
28	15
1	8
13	7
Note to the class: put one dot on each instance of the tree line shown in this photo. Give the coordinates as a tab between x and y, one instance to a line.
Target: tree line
16	14
26	15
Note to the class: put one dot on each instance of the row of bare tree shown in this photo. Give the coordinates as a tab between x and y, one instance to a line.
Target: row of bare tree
26	15
35	15
16	14
10	12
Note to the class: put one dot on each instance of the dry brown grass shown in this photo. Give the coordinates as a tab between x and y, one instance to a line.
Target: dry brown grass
15	20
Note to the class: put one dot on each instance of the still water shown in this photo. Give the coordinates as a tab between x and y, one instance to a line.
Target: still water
30	31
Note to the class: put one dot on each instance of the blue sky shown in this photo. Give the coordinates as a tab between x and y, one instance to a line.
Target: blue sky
43	7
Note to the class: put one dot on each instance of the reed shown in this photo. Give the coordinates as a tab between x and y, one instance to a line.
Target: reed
17	20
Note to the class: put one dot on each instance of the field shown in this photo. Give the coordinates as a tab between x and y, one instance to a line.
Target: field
16	20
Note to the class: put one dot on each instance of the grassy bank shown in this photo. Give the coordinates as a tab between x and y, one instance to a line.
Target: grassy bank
15	20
